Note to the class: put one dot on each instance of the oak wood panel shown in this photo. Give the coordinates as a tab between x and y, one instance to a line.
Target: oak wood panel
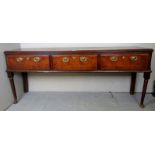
27	62
124	62
74	63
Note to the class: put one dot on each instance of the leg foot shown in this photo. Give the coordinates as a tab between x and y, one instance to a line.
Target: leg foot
146	79
142	106
15	102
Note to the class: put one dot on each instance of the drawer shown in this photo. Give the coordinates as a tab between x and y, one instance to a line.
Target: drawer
74	62
125	62
28	62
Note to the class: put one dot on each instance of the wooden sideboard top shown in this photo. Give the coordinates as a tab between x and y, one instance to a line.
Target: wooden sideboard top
82	49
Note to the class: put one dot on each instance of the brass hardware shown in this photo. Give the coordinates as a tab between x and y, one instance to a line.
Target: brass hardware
83	59
19	59
65	59
27	58
36	59
133	58
114	58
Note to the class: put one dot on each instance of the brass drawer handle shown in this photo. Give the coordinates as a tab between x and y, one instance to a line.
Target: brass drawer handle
83	59
133	58
114	58
19	59
36	59
65	60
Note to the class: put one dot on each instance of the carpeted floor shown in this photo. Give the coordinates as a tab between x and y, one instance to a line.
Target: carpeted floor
82	101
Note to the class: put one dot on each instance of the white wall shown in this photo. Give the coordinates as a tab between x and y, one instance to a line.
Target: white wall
85	82
6	97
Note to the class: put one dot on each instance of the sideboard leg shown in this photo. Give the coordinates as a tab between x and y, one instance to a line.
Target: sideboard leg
146	79
11	78
133	83
25	82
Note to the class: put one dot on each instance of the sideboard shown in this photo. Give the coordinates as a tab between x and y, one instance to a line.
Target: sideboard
92	60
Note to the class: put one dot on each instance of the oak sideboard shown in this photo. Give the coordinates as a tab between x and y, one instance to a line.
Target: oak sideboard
92	60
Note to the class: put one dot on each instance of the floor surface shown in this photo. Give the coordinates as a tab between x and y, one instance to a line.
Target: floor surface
82	101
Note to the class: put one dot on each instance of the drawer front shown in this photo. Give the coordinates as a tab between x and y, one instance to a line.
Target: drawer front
74	62
125	62
28	62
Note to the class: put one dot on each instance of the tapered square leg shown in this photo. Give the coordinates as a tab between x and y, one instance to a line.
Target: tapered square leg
11	78
133	83
25	82
146	79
